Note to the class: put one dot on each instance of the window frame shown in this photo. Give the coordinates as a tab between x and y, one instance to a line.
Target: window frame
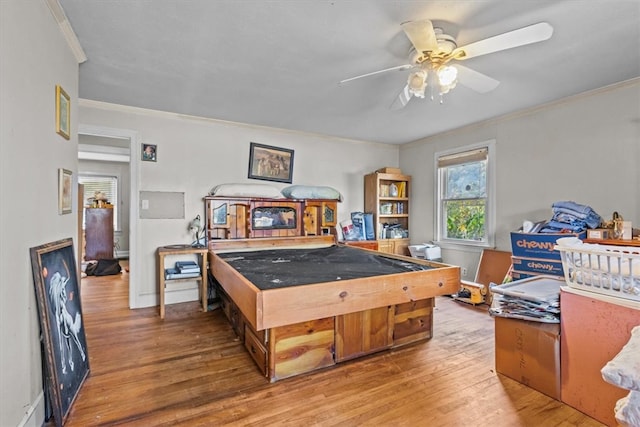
490	214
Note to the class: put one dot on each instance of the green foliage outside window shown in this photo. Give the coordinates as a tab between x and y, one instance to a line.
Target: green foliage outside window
465	219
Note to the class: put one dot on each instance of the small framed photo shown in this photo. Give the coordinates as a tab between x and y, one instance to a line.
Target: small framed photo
149	152
270	163
65	355
65	191
63	112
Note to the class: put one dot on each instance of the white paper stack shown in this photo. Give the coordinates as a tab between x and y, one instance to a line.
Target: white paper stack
536	299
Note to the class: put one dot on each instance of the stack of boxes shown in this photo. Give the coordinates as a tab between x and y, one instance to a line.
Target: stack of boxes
527	341
534	254
529	351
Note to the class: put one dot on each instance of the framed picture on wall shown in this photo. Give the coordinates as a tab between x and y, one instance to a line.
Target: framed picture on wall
61	324
149	153
63	112
270	163
65	191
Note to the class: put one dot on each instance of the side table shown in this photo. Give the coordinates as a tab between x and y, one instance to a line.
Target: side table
170	250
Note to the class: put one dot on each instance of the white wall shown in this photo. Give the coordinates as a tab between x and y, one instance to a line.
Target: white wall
35	57
195	154
585	148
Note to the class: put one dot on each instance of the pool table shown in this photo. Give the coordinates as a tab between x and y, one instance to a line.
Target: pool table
304	303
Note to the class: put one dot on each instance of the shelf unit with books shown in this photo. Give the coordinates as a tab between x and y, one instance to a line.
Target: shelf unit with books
183	270
386	196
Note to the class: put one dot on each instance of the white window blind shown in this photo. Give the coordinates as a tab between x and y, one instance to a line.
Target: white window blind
108	185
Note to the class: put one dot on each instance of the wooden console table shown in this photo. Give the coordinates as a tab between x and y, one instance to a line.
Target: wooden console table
170	250
614	242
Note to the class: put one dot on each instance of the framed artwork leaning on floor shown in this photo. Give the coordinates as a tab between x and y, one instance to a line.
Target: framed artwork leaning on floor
61	324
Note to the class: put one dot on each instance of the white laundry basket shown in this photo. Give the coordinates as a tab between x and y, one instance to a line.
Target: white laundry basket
605	269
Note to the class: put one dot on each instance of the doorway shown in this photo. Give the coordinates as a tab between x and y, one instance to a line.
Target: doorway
110	152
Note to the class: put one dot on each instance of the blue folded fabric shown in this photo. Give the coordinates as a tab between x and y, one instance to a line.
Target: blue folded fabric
576	228
575	214
574	207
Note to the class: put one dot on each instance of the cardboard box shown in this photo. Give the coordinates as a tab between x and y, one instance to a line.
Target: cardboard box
538	266
390	170
599	233
529	352
538	245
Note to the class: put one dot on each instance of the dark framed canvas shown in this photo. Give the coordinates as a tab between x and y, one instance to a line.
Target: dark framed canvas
270	163
61	324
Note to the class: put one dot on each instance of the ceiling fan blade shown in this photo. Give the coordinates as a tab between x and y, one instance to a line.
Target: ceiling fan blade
421	35
402	99
398	67
475	80
527	35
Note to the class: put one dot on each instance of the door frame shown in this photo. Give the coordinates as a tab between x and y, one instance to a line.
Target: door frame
134	178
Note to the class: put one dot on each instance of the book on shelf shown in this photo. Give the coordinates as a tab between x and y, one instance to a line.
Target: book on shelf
187	264
188	267
402	189
174	273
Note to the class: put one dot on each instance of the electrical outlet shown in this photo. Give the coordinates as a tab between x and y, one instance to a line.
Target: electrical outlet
463	271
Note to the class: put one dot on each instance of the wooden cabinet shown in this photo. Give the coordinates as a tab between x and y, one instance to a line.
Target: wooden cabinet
386	196
290	350
98	233
363	332
320	217
394	246
243	218
413	321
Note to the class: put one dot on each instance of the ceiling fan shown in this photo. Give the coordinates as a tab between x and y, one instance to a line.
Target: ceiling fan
433	51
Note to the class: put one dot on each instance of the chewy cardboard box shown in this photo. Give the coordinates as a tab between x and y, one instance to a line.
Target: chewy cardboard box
538	266
539	245
529	352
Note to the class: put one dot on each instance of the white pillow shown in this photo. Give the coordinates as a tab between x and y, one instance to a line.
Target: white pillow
624	369
311	192
246	190
628	409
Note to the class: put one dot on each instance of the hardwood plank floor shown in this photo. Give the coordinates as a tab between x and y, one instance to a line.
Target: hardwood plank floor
189	369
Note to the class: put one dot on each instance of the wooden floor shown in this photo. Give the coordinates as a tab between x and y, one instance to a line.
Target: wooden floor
190	370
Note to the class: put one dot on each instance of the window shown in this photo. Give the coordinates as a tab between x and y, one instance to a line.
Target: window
105	184
465	196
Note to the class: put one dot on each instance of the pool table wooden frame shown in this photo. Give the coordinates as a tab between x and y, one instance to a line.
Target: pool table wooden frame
275	310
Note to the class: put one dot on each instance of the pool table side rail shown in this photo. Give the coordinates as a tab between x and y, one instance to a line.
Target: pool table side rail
284	306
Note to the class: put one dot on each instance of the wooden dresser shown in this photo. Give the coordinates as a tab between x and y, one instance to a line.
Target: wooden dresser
98	233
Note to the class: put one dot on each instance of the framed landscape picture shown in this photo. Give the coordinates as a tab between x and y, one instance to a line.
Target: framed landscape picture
63	112
61	324
270	163
65	191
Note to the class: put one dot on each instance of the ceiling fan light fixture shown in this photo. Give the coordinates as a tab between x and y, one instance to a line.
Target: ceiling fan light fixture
417	83
447	75
447	78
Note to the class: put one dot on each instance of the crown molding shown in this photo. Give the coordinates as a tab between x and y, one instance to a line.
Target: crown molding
67	31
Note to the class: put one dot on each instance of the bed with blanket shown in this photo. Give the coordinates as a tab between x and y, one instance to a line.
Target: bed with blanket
304	303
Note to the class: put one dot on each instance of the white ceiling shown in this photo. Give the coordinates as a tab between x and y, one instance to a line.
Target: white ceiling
278	63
